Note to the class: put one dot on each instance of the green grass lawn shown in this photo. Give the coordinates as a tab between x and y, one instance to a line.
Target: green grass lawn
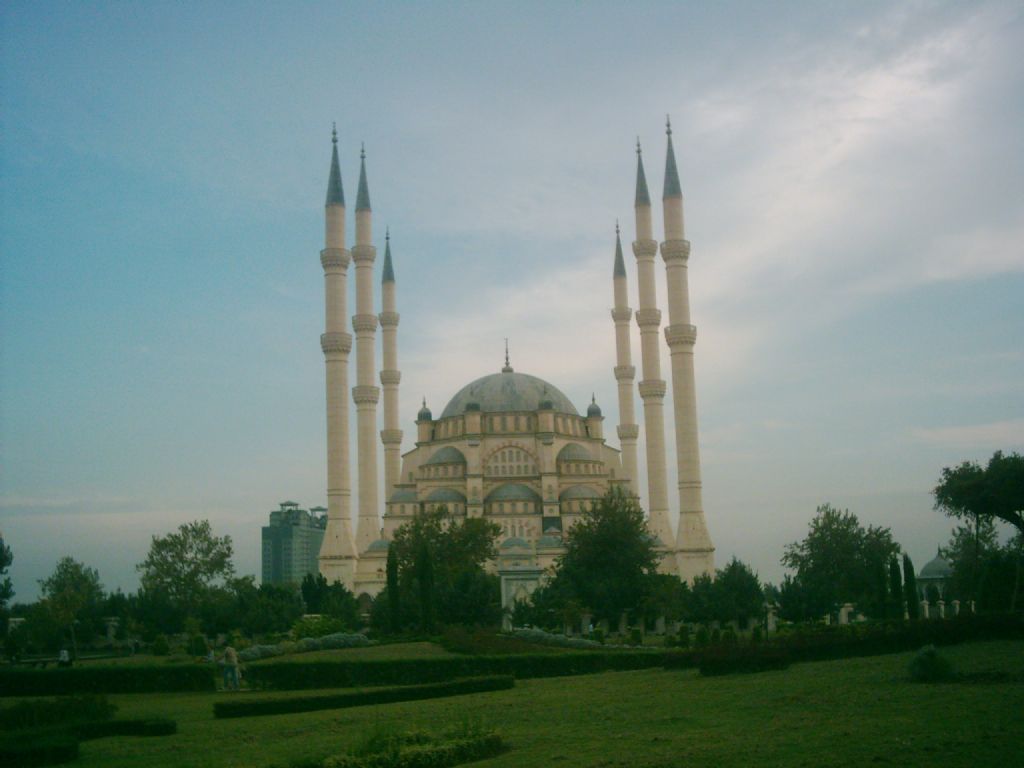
851	712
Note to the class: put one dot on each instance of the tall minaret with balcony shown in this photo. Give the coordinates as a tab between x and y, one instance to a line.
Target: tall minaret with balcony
365	393
695	552
337	553
625	371
652	387
390	376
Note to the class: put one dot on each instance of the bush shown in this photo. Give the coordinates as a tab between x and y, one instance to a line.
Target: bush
756	635
636	637
729	636
237	708
549	638
928	667
416	750
343	640
725	660
197	646
684	636
113	679
480	642
597	636
298	675
317	626
42	713
687	659
703	637
716	636
160	646
48	749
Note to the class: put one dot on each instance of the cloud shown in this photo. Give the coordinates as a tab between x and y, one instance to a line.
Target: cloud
995	435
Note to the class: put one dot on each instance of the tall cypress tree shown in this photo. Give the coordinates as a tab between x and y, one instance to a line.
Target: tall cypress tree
425	576
910	588
895	589
394	597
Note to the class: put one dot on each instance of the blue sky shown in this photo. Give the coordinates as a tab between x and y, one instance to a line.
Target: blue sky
854	197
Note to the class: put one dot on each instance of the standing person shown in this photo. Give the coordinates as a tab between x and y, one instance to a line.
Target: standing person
230	662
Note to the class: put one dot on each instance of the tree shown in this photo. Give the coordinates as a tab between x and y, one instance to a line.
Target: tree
840	561
610	558
73	593
425	579
737	594
185	565
394	597
6	588
976	494
910	588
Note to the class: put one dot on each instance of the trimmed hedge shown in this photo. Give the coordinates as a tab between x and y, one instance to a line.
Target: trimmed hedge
151	727
296	675
243	708
44	713
112	679
51	749
418	753
752	658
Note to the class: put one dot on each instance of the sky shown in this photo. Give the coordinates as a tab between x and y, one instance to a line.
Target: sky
854	192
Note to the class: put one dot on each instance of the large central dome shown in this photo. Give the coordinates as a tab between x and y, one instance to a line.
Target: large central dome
508	391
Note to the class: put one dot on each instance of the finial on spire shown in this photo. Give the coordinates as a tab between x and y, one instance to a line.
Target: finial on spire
388	272
424	401
638	150
363	193
335	193
362	150
593	398
508	366
620	264
642	196
387	233
334	132
616	227
668	125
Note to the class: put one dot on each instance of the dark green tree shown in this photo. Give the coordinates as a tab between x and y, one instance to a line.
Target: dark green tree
737	594
425	580
895	589
6	588
394	597
73	595
314	588
610	559
910	589
184	565
840	561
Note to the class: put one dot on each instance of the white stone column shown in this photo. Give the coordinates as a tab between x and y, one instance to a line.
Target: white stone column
652	386
390	376
625	371
337	552
695	551
365	393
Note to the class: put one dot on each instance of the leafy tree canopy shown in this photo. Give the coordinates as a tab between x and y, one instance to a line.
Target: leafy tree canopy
185	564
838	562
995	491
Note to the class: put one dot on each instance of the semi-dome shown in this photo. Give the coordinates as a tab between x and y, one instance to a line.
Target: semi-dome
508	391
446	494
578	492
404	495
574	452
512	492
447	455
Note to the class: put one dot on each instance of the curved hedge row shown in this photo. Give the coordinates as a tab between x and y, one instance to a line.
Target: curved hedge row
250	707
112	679
293	676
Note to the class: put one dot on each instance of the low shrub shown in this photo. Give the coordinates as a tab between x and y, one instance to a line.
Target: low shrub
160	646
339	640
636	636
729	636
726	660
597	636
684	636
317	626
681	659
249	708
703	637
716	636
541	637
100	679
756	635
481	642
49	749
42	713
928	667
197	646
389	749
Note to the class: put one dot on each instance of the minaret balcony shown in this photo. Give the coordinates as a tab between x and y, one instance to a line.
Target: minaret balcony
334	258
361	323
390	377
648	317
645	249
681	335
388	319
628	431
391	436
672	250
652	389
622	314
625	372
364	394
364	254
336	342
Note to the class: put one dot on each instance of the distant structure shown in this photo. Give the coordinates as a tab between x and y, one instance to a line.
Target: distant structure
508	446
291	543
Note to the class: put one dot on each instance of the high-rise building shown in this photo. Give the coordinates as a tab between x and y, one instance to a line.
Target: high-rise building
291	543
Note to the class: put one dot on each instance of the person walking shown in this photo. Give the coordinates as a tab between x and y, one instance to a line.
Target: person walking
230	662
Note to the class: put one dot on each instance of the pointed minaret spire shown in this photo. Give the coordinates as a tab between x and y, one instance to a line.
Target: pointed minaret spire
642	196
620	265
335	193
672	187
363	195
508	366
389	271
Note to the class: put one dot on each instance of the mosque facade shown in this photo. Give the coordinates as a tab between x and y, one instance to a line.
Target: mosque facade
509	446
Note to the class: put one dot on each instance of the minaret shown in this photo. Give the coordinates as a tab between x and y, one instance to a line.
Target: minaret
652	387
337	553
390	376
365	393
695	551
625	371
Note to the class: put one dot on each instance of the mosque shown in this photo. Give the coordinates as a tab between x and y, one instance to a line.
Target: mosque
509	446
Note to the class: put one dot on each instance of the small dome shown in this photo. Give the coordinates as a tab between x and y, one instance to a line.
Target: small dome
514	543
574	452
549	542
446	494
447	455
593	410
578	492
424	414
937	568
380	545
513	492
403	495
